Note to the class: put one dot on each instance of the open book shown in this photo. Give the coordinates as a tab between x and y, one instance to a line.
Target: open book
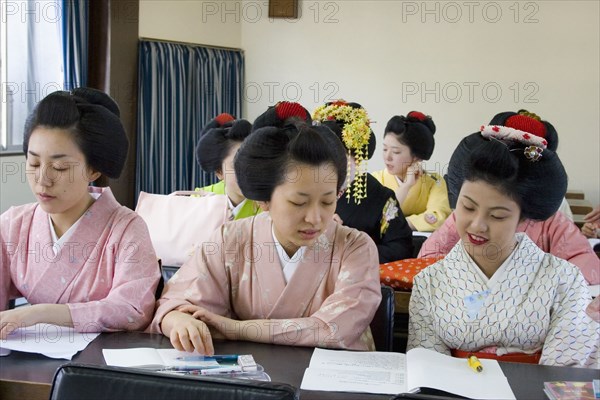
394	373
164	359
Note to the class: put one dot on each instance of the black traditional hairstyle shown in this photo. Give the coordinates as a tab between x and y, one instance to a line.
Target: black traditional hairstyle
457	162
415	131
92	117
266	155
216	142
532	176
282	114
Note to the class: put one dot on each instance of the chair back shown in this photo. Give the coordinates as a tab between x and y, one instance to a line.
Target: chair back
382	325
78	381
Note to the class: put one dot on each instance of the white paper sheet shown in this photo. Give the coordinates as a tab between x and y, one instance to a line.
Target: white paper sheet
50	340
150	358
351	371
431	369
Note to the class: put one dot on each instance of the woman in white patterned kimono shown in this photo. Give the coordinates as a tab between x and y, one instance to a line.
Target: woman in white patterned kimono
496	294
290	275
79	257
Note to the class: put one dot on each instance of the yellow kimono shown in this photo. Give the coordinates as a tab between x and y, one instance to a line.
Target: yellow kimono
249	208
428	196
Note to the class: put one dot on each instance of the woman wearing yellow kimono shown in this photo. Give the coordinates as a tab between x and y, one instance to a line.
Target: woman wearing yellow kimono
422	195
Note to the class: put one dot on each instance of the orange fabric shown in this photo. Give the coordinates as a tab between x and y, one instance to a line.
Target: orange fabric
400	274
510	357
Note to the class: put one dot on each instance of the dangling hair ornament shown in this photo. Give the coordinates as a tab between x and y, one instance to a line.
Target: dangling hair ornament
523	128
355	135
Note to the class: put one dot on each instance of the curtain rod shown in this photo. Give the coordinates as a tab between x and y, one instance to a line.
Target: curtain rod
191	44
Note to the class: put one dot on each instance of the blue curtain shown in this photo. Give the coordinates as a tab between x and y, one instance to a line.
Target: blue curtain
75	42
181	88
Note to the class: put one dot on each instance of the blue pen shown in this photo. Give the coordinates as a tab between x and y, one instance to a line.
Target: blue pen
190	368
223	358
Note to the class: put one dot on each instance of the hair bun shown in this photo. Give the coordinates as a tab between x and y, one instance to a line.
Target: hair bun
224	118
426	120
96	97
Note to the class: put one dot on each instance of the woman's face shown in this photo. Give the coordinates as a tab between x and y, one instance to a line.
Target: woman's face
227	174
57	172
396	156
303	205
486	220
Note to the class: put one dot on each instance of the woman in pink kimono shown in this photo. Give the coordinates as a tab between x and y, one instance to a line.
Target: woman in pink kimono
79	258
290	275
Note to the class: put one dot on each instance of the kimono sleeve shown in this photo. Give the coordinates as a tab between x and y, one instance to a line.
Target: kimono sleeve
396	236
441	241
573	337
129	304
201	281
348	311
567	242
422	320
437	204
8	290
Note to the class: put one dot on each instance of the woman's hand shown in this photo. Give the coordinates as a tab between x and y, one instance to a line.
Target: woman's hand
413	173
593	309
227	327
593	216
186	332
22	317
590	229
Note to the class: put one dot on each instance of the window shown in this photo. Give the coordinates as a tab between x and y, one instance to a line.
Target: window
30	62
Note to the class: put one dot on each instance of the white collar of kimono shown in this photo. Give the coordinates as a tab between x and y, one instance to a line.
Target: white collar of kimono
58	242
500	272
235	210
288	264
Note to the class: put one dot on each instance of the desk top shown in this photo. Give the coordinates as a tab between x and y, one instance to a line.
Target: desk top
283	363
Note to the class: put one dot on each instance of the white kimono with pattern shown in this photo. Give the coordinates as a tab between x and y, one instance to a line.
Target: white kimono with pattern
539	303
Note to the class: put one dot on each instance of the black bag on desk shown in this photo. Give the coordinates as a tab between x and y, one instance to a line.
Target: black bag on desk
78	381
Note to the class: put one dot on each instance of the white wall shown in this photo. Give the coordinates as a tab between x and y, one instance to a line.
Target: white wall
215	23
14	189
393	57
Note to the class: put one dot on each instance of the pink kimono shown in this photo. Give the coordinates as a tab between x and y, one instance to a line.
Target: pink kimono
106	272
238	275
557	235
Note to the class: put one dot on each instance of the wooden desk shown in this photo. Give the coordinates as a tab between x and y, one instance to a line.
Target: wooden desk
575	194
580	206
29	376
